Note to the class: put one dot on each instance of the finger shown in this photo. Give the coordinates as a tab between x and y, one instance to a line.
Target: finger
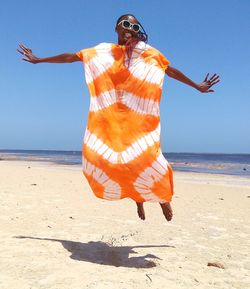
206	77
215	78
20	47
23	53
25	59
212	76
25	48
20	51
215	82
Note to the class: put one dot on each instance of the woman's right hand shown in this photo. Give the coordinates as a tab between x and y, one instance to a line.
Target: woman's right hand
28	55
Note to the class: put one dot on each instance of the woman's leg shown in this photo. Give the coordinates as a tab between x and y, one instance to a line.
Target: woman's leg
140	211
167	210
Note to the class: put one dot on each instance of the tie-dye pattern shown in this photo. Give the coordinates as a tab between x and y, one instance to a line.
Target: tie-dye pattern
121	149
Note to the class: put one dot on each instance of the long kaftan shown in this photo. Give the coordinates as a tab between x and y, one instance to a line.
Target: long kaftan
121	149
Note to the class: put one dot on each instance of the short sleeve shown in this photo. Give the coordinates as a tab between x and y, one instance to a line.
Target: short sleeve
163	61
82	54
153	54
86	54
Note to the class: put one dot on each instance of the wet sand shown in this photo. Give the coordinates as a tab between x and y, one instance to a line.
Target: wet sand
56	235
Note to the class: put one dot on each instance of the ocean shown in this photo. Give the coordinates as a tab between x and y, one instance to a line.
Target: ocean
228	164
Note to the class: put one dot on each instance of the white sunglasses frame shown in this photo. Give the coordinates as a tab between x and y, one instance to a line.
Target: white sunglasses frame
130	26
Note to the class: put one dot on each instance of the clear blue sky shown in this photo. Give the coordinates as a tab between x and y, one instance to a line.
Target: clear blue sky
45	106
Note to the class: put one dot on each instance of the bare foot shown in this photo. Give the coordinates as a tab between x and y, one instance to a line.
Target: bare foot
140	211
167	211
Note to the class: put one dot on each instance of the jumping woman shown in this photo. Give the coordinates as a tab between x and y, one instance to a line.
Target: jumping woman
121	151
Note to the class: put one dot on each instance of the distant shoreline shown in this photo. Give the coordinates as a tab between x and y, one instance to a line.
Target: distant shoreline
224	164
79	152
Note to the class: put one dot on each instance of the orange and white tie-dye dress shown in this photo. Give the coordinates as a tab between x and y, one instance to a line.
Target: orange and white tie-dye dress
121	149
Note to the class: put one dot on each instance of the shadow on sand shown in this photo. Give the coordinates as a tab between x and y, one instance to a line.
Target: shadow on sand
105	254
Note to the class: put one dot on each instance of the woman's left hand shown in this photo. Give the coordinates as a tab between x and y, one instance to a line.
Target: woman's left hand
208	83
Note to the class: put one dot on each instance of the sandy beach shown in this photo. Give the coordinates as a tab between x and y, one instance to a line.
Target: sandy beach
56	235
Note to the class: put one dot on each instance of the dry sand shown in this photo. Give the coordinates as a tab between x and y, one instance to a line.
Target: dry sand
56	235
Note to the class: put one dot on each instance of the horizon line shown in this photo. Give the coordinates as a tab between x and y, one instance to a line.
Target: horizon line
187	152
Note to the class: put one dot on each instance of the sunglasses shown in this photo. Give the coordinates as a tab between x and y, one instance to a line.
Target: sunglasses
127	25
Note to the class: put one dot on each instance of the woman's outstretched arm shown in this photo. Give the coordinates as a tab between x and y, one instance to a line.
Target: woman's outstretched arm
61	58
202	87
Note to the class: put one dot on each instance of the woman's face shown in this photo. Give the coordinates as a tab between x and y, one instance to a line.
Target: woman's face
125	34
